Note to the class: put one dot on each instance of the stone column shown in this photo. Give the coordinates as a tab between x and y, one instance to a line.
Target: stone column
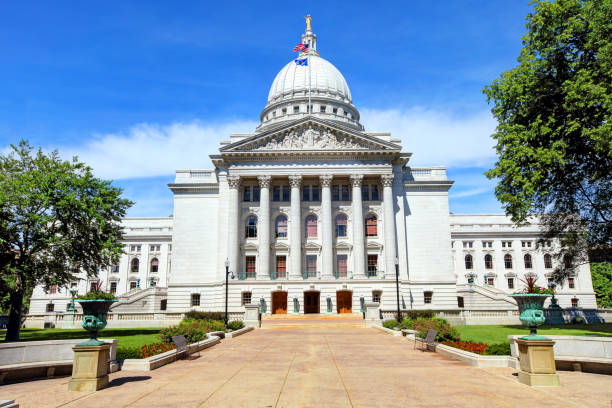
263	230
327	252
389	214
295	228
358	231
233	223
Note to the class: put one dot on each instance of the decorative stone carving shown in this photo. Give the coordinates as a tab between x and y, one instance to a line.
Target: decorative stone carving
387	180
326	180
308	139
264	181
356	179
233	181
295	180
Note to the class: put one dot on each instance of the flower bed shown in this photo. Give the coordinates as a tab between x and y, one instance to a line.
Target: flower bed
478	348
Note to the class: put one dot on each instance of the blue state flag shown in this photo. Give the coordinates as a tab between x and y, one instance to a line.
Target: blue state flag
303	61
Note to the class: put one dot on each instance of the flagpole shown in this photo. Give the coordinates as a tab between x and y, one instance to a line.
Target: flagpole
309	109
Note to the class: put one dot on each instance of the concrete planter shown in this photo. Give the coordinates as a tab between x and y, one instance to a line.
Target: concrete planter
476	360
156	361
239	332
388	331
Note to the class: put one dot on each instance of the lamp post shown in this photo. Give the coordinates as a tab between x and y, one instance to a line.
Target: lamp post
227	273
399	316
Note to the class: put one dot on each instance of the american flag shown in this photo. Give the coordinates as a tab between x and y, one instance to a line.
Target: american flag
301	47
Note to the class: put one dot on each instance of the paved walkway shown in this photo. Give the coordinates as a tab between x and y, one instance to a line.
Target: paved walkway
314	367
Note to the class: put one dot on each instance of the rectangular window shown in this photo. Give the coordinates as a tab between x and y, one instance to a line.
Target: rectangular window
372	265
93	286
335	110
154	248
365	193
285	195
296	109
468	244
314	193
163	305
570	283
574	302
487	244
306	193
73	285
344	192
113	287
373	192
460	301
281	266
341	226
510	283
341	265
50	307
376	296
281	227
115	268
336	193
311	266
135	248
133	284
256	191
427	296
490	281
246	195
251	266
506	244
246	298
322	108
195	299
276	193
53	289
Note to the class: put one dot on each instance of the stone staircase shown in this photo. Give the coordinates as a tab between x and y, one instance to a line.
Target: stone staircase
312	321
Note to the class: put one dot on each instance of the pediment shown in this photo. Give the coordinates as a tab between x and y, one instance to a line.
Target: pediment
374	245
308	136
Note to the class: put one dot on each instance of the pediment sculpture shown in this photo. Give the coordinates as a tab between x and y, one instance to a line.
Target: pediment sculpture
307	139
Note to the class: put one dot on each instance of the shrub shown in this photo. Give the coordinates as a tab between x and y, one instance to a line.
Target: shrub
235	325
407	323
97	295
389	324
194	314
128	352
193	330
149	350
446	332
500	349
415	314
478	348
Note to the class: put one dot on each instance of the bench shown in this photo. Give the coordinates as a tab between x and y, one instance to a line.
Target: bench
181	345
429	340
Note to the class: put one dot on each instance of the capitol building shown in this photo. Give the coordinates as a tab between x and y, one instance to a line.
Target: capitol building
313	213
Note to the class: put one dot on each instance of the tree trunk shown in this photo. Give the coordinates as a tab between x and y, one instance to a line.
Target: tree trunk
14	323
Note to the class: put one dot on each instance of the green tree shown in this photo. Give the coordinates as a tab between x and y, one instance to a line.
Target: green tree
57	220
601	274
554	133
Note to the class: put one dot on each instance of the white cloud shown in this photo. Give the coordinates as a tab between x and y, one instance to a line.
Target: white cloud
437	138
149	150
470	192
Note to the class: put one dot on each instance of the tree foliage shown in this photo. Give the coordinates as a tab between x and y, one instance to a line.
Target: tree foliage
601	274
57	220
554	133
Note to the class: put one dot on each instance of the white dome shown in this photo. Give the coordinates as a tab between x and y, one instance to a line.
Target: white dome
324	79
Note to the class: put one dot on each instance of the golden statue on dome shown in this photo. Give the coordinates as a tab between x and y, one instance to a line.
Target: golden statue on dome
308	20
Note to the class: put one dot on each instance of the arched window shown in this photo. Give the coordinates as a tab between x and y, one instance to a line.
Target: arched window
311	226
488	261
341	225
508	261
547	261
250	229
469	264
134	264
371	225
281	227
567	261
154	265
528	263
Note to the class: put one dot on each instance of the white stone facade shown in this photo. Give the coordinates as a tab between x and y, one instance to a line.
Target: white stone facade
313	213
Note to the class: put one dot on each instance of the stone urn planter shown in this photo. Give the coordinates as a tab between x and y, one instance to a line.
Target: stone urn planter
94	318
531	309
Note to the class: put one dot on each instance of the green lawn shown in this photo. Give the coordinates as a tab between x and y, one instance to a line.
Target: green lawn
125	337
499	333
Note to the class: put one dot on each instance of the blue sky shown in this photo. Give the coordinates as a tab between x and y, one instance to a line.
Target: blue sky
128	85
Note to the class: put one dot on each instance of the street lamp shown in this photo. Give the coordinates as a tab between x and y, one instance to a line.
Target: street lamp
227	273
399	316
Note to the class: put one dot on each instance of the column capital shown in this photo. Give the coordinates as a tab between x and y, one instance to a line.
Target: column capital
326	180
233	181
356	179
387	179
295	180
264	181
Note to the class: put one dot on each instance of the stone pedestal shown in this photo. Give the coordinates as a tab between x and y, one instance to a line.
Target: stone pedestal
89	368
251	315
372	313
537	362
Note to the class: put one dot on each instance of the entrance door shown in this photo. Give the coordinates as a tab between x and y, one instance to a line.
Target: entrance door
344	300
279	302
311	302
